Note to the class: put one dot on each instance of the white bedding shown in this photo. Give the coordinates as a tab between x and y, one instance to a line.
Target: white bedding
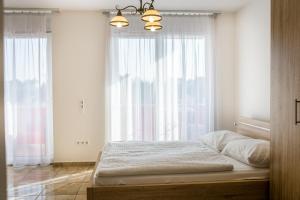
241	171
159	158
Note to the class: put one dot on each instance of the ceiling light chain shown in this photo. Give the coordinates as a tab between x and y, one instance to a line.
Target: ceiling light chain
151	16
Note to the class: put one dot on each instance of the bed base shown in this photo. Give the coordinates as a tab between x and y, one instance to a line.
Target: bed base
233	190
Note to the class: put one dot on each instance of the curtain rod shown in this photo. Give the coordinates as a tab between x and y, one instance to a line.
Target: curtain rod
168	12
31	10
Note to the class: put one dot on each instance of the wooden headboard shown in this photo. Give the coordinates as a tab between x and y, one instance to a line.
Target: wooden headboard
253	128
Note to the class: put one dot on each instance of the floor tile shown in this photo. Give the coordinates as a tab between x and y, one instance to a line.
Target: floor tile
87	178
50	189
23	198
68	189
48	182
37	178
76	178
24	191
83	188
81	197
57	197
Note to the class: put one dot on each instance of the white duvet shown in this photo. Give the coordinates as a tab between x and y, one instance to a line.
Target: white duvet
157	158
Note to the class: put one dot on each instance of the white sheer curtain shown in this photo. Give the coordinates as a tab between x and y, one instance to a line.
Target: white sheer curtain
28	89
160	86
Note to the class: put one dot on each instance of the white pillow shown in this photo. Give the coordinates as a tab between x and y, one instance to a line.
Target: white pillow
250	151
219	139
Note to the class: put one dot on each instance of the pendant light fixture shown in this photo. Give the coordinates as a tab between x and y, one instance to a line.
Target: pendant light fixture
119	21
149	15
152	26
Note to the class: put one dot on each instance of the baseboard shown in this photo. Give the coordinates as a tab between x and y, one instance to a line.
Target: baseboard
68	164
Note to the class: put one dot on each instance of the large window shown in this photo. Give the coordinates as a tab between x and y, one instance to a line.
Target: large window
160	86
28	98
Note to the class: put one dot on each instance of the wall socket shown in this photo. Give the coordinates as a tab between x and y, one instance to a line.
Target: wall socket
82	142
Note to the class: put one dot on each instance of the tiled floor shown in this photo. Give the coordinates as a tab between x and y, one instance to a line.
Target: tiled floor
48	183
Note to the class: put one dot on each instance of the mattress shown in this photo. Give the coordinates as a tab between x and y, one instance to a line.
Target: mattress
159	158
240	171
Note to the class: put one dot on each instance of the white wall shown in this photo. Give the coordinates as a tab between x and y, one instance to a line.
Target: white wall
78	73
225	65
253	60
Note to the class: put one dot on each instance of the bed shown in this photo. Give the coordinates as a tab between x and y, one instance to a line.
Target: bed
219	182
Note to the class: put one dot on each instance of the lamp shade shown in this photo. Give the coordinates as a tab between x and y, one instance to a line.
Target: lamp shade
119	20
151	15
153	26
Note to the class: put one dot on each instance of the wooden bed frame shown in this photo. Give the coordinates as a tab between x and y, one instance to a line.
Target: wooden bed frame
233	190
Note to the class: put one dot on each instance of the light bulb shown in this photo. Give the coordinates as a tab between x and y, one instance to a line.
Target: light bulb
119	25
152	29
151	19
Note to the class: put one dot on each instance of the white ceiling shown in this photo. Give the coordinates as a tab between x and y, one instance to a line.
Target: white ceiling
218	5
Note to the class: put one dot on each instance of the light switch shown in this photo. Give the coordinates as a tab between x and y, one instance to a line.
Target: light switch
82	105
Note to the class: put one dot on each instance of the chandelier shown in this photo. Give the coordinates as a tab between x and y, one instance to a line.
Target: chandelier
149	15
